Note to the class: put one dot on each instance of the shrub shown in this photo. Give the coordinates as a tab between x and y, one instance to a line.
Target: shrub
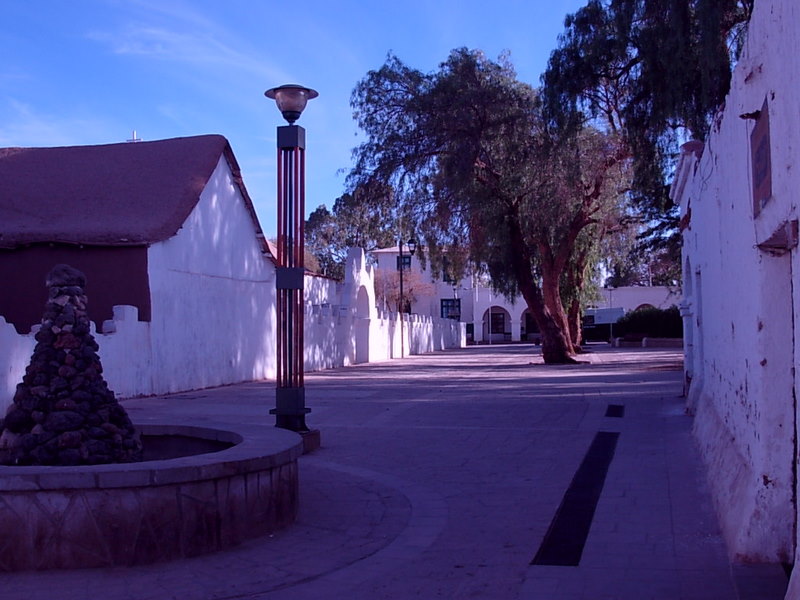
650	322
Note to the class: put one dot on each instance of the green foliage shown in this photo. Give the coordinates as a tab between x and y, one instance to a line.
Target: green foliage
655	71
432	137
321	243
475	168
363	219
638	266
387	289
650	322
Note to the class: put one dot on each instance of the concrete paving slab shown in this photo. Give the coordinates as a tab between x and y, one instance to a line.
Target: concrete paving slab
439	476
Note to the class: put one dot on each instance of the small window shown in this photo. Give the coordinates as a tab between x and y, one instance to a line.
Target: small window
406	262
451	308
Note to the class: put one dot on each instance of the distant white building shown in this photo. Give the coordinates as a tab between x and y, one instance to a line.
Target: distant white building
490	317
634	297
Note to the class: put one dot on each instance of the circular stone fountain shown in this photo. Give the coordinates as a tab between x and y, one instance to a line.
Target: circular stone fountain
73	494
237	484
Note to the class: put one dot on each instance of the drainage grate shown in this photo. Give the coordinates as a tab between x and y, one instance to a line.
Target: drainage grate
563	544
615	410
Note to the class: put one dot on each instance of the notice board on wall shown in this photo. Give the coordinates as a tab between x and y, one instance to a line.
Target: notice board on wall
761	159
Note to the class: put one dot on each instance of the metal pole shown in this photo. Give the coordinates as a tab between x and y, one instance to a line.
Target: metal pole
290	410
400	310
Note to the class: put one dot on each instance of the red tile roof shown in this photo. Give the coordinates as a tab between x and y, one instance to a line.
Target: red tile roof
117	194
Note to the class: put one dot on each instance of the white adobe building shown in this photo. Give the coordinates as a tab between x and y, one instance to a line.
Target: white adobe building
738	195
180	278
490	317
175	258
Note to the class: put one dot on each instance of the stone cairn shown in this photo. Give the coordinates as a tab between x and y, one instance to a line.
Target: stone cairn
63	412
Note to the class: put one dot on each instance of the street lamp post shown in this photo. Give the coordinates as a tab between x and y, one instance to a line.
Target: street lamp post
412	247
290	410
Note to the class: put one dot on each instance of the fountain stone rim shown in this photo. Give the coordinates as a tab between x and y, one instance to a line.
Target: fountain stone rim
255	448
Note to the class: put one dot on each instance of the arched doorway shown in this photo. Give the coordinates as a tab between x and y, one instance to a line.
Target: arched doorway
496	325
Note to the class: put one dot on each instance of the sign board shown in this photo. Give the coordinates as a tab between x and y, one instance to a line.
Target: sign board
602	316
761	158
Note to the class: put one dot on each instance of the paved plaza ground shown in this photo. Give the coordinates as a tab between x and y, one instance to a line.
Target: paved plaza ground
441	475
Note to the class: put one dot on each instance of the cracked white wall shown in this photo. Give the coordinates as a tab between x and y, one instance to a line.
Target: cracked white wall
741	302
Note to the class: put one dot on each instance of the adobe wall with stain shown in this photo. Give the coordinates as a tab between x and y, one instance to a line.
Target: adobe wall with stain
742	292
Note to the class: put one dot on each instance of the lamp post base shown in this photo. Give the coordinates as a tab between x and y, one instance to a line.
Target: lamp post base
290	413
293	422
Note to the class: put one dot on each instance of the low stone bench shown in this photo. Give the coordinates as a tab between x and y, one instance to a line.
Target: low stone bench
651	342
648	342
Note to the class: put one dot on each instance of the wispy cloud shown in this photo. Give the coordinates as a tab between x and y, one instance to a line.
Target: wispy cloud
22	125
12	74
176	32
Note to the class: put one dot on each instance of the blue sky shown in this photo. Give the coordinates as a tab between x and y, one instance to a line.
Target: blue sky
91	71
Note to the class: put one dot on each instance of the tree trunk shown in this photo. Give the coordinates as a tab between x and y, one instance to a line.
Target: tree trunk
560	348
544	303
556	347
574	318
575	281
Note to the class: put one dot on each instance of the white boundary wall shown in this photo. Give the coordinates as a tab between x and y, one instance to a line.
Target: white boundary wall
215	327
15	353
344	340
344	327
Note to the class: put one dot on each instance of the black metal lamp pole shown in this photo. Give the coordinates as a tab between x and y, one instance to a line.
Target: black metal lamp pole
412	247
290	410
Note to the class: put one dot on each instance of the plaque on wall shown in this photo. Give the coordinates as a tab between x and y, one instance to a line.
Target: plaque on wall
761	160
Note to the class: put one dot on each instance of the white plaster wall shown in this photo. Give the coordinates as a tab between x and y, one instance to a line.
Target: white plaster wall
211	289
358	290
350	329
126	353
740	301
213	319
482	299
332	341
15	354
320	290
632	297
